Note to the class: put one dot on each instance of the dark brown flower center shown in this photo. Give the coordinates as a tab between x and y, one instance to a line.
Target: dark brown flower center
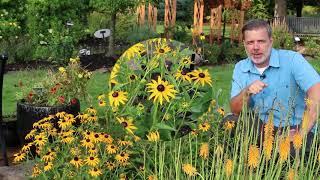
112	147
115	94
76	158
106	136
160	88
96	135
202	75
122	154
183	72
87	140
124	124
91	158
132	77
161	50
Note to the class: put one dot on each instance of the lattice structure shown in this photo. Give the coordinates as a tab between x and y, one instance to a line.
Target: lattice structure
215	23
152	17
170	12
141	15
197	18
235	24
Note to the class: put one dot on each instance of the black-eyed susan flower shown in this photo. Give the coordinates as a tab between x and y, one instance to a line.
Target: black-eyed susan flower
31	134
117	97
228	125
87	143
127	124
135	50
122	157
183	75
49	156
204	151
92	161
132	77
76	161
153	136
201	77
204	126
253	156
64	124
91	110
47	166
111	149
189	169
95	172
19	157
221	111
36	171
186	61
67	139
97	137
61	114
26	147
93	151
106	138
102	103
161	90
82	117
88	134
161	49
110	165
124	143
40	140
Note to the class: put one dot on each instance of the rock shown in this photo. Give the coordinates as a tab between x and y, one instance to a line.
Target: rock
16	172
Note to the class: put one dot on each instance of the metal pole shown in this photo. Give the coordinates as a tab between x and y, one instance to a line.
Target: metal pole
3	58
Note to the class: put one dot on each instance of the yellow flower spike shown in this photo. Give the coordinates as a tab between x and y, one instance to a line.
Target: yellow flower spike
284	149
117	97
204	151
228	167
189	169
201	77
161	90
153	136
291	174
267	147
253	156
297	141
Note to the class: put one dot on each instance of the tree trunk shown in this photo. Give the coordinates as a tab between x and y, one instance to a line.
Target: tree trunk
112	34
280	9
299	7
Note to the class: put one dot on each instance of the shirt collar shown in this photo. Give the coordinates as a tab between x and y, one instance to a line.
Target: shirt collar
274	62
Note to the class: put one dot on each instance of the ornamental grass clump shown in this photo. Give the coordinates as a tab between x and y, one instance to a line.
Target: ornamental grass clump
60	87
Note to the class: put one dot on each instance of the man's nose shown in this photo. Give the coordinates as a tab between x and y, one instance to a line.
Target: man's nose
256	45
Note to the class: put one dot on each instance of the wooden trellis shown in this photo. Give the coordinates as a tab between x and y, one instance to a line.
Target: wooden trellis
215	23
170	12
152	17
197	18
141	15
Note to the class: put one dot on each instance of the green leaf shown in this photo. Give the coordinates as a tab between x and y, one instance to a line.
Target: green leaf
164	126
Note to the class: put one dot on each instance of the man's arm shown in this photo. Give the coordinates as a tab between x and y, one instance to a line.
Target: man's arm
313	95
237	102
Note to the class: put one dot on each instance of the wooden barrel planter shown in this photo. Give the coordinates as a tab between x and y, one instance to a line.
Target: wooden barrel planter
10	133
28	114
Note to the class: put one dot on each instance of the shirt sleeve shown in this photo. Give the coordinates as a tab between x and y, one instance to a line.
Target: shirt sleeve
305	75
237	85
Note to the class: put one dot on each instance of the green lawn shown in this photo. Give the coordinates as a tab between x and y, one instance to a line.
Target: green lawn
221	76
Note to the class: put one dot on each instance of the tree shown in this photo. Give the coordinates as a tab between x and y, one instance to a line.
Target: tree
280	8
113	7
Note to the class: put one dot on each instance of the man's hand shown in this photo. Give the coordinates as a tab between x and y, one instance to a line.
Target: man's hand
256	87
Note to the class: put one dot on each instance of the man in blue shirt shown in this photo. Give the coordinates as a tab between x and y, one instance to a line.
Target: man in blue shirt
277	81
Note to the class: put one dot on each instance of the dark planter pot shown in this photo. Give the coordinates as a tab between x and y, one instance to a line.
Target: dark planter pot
28	114
10	133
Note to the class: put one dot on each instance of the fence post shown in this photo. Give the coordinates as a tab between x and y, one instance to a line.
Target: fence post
3	58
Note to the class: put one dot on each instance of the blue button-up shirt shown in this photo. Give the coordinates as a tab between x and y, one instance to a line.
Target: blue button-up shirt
288	77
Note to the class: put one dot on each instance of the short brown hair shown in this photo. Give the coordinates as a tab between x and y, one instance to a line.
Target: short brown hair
257	24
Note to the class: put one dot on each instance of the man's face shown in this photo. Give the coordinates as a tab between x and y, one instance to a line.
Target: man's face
258	46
